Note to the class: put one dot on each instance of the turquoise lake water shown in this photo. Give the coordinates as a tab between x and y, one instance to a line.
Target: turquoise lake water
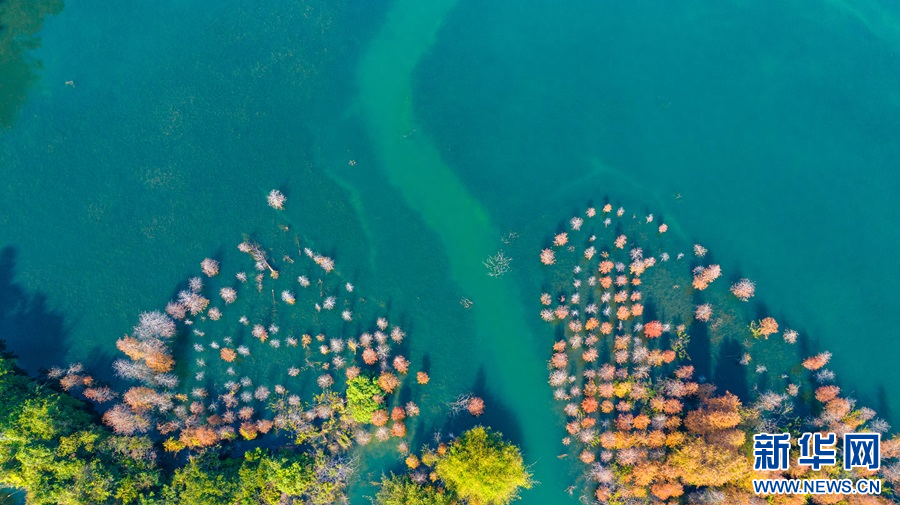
767	131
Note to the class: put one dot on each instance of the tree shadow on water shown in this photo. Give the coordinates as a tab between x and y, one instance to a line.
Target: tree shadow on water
881	403
730	375
33	331
699	348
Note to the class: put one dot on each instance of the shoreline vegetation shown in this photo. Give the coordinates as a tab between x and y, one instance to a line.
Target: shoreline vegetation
663	372
205	377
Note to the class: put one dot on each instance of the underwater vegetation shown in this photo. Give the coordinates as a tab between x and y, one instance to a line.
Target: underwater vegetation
20	21
640	320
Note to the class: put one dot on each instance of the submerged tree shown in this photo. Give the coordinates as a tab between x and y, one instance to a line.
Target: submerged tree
548	257
743	289
498	264
276	199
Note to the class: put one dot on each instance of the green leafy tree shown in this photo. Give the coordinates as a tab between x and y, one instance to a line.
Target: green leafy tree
483	469
265	478
361	393
403	491
51	447
205	480
260	478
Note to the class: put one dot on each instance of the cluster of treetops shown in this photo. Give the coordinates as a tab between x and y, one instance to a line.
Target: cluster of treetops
53	448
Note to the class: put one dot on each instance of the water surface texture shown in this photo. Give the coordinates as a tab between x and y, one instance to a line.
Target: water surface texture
137	139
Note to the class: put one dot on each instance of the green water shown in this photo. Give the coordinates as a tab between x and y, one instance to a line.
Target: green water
414	165
776	122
